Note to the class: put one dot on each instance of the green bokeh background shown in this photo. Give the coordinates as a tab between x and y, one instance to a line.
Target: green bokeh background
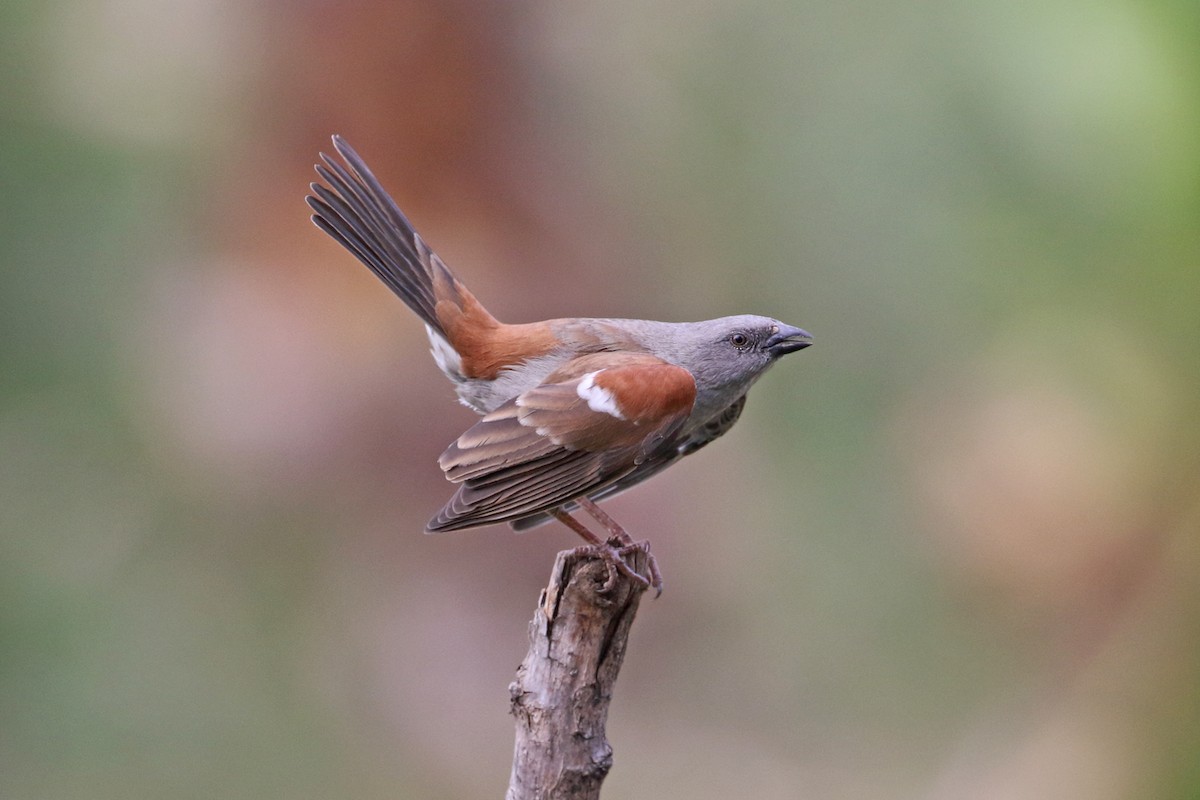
950	551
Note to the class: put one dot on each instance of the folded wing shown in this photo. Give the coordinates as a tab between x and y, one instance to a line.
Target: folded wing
594	421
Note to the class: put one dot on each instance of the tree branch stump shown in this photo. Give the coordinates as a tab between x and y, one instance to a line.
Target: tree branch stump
560	697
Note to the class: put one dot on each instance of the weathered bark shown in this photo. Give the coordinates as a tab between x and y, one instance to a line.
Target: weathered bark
563	687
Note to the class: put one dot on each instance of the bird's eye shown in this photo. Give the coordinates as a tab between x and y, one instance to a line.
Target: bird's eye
739	340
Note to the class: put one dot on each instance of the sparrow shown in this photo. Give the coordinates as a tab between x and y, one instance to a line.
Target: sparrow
575	410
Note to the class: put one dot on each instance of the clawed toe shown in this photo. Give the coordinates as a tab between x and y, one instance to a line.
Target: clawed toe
614	549
614	557
654	579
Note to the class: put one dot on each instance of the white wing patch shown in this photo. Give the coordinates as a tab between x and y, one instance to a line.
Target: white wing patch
598	398
447	358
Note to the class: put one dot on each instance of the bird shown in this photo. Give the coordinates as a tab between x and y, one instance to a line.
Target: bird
574	410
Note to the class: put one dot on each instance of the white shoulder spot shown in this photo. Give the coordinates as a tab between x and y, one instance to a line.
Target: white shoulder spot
597	397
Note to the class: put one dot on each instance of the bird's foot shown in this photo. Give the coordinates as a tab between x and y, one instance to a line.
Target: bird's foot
615	554
654	579
618	545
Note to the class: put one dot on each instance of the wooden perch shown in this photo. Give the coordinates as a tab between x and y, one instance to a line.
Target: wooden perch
563	687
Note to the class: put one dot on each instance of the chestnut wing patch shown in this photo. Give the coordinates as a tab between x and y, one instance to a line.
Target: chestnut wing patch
564	439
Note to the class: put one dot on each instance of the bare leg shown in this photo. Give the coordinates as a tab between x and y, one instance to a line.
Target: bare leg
621	535
566	519
597	545
611	525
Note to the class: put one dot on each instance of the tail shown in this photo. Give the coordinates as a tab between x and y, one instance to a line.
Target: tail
467	342
355	210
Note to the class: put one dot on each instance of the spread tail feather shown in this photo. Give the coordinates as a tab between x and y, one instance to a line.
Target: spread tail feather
355	210
466	340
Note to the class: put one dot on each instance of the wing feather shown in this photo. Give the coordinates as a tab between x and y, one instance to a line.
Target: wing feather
662	458
554	443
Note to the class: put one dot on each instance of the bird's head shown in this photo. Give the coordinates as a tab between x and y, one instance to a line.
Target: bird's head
728	354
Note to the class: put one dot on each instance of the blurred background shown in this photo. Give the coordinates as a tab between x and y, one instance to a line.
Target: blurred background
951	551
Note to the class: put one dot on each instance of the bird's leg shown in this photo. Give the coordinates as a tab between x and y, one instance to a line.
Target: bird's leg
611	525
621	535
562	516
605	549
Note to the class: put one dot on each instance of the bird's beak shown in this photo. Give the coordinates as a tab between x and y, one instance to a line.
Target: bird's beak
788	340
